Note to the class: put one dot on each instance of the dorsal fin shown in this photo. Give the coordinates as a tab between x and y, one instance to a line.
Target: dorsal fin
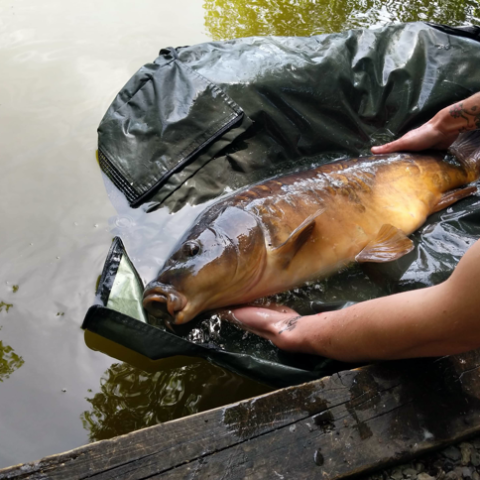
466	149
289	248
389	244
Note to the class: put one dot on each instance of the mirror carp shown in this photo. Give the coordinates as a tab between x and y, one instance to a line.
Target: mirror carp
283	232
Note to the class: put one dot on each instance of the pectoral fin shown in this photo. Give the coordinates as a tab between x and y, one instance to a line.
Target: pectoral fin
389	244
450	198
467	150
289	248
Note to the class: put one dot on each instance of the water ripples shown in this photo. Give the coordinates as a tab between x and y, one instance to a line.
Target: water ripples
243	18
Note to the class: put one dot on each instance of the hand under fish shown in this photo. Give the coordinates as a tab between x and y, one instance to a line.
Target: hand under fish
273	323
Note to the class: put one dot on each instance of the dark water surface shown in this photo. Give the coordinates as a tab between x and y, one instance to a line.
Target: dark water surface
61	64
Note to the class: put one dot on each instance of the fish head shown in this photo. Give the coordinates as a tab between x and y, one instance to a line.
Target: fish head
214	265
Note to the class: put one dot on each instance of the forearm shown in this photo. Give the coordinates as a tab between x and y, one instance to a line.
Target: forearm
434	321
406	325
459	117
440	320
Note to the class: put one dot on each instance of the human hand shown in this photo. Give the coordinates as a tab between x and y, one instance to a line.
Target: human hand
428	136
442	130
275	323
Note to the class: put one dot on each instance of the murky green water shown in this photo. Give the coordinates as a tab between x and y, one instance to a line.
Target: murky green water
61	64
226	19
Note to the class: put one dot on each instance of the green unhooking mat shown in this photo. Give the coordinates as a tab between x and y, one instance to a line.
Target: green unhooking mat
204	120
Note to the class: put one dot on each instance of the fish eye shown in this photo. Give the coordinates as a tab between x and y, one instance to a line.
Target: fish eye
191	249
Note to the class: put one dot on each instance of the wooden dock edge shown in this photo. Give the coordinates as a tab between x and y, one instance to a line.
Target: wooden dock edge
350	423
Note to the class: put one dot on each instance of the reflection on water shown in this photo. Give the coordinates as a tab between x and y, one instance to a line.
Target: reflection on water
142	392
6	306
227	19
131	398
9	360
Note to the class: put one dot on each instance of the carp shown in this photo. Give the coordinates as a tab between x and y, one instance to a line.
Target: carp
283	232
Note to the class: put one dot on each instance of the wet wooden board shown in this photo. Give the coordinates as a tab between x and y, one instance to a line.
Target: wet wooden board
350	423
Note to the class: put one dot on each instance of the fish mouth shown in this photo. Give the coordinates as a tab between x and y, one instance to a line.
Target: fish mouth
165	302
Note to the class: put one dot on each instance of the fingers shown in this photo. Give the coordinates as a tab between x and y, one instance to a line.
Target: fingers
413	140
280	308
258	318
388	147
422	138
264	322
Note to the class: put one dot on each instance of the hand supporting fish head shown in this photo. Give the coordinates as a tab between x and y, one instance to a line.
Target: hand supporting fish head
216	264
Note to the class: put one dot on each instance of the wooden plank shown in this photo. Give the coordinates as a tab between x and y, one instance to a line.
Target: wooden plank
342	425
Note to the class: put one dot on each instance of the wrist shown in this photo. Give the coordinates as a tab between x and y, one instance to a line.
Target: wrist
442	123
285	335
289	334
303	334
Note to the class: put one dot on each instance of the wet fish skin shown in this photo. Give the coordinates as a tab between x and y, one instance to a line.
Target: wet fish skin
288	230
230	258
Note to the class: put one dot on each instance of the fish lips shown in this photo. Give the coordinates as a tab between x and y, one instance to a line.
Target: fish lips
163	301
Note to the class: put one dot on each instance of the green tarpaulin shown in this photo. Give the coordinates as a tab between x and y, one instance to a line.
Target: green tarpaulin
203	120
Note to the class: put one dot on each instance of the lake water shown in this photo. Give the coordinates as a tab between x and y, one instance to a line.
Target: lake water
61	64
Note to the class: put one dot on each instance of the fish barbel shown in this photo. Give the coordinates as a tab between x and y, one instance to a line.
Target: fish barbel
286	231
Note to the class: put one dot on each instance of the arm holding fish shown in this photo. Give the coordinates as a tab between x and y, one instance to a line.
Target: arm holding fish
441	131
434	321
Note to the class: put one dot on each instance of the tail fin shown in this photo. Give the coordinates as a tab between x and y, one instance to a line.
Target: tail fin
466	149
